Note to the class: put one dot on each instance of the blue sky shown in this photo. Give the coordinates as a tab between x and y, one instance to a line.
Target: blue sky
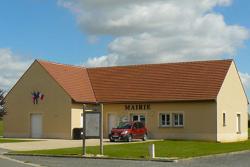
42	29
60	31
238	13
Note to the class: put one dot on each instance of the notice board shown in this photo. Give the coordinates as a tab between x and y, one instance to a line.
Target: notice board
92	124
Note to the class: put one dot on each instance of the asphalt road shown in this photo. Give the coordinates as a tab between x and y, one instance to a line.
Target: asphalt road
8	163
232	160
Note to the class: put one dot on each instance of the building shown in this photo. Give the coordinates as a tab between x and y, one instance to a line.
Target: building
202	100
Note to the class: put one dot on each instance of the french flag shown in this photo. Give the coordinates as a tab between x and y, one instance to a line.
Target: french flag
41	96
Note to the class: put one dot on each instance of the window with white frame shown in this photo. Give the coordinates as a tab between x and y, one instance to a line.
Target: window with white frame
165	120
178	120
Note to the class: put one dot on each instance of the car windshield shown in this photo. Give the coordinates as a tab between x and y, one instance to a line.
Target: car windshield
124	125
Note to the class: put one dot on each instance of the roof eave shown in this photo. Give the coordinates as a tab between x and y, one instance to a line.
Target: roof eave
144	101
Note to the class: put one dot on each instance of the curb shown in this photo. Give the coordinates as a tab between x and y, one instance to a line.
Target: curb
157	159
214	155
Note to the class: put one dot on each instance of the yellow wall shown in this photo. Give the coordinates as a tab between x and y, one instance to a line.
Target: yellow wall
232	101
76	111
202	120
55	108
199	119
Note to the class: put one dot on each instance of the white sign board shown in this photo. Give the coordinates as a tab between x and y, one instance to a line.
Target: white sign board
92	124
91	107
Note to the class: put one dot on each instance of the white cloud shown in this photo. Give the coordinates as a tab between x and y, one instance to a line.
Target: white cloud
12	67
147	31
93	39
245	78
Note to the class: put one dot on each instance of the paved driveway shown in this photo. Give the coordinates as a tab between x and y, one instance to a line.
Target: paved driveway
48	144
45	144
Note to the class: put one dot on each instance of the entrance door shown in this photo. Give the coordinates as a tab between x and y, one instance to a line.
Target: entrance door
112	122
139	118
36	125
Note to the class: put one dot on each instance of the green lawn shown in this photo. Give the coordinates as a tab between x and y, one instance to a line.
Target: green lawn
6	140
1	128
167	148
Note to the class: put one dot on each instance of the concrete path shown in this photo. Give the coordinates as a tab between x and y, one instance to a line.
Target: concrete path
45	144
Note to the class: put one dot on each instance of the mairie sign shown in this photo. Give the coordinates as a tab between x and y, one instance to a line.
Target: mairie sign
137	107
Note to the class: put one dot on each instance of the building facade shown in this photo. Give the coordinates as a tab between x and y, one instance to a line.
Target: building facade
202	100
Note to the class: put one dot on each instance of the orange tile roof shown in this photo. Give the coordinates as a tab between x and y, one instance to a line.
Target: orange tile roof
74	80
200	80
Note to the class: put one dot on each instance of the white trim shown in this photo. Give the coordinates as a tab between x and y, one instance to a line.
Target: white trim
139	116
178	113
171	113
160	119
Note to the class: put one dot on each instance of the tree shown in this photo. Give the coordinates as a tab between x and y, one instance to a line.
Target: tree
2	102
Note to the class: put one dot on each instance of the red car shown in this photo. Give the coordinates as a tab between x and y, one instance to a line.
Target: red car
128	131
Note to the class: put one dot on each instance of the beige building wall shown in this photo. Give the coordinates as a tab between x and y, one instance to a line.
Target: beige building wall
200	121
55	108
76	111
232	101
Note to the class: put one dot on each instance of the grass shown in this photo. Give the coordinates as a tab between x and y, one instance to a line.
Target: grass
1	127
7	140
166	148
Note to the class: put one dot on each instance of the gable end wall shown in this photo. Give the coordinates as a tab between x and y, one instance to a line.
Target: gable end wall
232	100
55	108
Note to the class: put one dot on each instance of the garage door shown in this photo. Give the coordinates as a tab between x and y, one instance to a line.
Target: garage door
36	125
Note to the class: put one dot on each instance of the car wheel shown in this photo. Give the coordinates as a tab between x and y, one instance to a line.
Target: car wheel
111	140
145	137
129	138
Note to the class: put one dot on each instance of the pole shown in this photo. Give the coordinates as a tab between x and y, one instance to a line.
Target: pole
83	135
152	151
101	130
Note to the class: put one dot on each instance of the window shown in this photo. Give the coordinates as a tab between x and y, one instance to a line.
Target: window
224	119
81	120
178	119
238	123
139	118
165	120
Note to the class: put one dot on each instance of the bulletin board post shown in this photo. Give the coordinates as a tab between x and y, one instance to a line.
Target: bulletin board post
92	125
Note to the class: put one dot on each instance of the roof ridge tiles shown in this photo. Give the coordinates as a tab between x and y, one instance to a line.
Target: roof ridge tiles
152	64
56	63
91	86
134	65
